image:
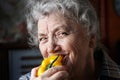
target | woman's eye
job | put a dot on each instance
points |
(43, 39)
(63, 34)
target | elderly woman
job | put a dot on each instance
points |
(69, 28)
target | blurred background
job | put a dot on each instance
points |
(17, 58)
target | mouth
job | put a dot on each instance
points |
(66, 63)
(65, 59)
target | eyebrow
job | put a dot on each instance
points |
(41, 34)
(65, 27)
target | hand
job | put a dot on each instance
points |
(54, 73)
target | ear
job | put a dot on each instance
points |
(92, 41)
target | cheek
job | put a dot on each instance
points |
(77, 49)
(43, 50)
(69, 45)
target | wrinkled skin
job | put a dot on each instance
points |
(66, 37)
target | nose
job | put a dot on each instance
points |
(53, 47)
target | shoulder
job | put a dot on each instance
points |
(25, 77)
(110, 70)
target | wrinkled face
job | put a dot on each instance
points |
(62, 36)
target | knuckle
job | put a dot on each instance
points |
(53, 70)
(63, 74)
(56, 69)
(33, 70)
(60, 74)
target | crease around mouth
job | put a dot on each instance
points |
(65, 59)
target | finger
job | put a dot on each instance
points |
(61, 75)
(52, 71)
(33, 72)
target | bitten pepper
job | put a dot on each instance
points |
(54, 60)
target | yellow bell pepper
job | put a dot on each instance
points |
(54, 60)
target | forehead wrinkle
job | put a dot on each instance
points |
(47, 30)
(43, 29)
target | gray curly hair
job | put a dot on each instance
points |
(79, 10)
